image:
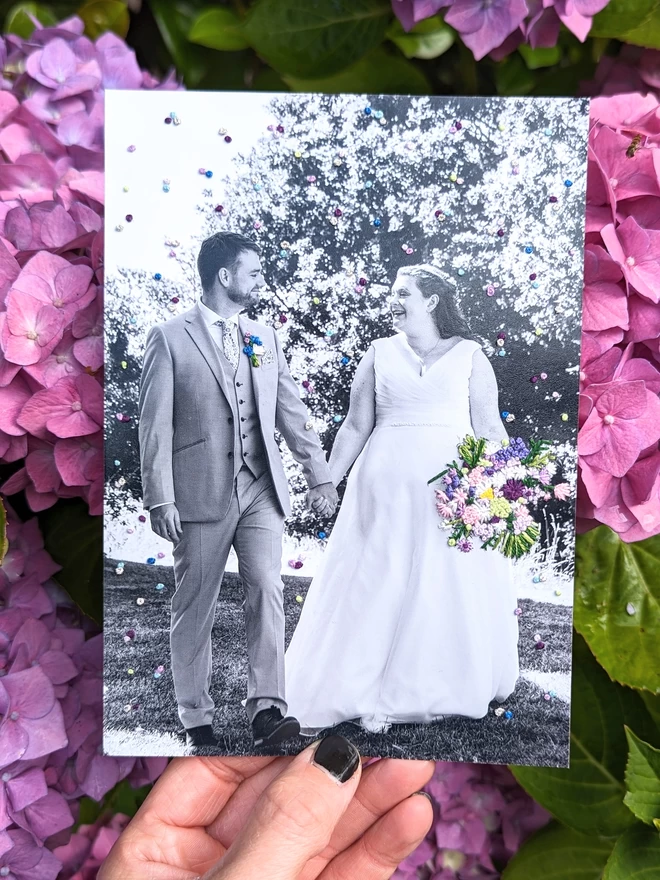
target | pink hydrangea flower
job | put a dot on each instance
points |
(58, 67)
(485, 24)
(499, 26)
(72, 407)
(637, 251)
(605, 302)
(411, 12)
(31, 330)
(50, 711)
(624, 421)
(24, 859)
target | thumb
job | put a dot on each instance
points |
(293, 820)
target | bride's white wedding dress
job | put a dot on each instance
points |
(397, 626)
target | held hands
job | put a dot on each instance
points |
(318, 816)
(165, 522)
(323, 499)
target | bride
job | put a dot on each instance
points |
(397, 626)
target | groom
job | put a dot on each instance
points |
(212, 477)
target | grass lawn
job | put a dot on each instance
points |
(140, 710)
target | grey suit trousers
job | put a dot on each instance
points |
(254, 525)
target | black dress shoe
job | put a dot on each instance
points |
(200, 736)
(270, 728)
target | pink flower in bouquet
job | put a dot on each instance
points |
(471, 515)
(562, 491)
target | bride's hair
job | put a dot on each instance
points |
(447, 314)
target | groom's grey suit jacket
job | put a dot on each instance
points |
(187, 426)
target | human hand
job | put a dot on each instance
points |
(281, 818)
(323, 499)
(166, 523)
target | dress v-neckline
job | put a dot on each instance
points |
(426, 370)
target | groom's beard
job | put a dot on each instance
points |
(244, 300)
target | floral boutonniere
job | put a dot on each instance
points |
(253, 348)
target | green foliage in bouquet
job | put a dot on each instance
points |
(511, 542)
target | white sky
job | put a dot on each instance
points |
(169, 151)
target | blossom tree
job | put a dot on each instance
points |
(340, 193)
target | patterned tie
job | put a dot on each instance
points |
(229, 342)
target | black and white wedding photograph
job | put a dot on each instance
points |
(341, 406)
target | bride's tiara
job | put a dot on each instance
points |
(427, 269)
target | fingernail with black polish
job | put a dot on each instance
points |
(338, 756)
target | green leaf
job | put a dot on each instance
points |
(428, 39)
(636, 856)
(377, 74)
(174, 20)
(125, 799)
(218, 28)
(4, 543)
(314, 40)
(512, 77)
(617, 605)
(631, 21)
(643, 780)
(558, 853)
(18, 21)
(105, 15)
(652, 703)
(536, 58)
(75, 541)
(589, 796)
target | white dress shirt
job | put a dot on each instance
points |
(210, 317)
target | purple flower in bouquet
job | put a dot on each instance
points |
(513, 489)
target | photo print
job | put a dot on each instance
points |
(342, 357)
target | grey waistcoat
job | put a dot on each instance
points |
(248, 441)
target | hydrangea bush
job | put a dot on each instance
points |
(503, 24)
(51, 276)
(51, 713)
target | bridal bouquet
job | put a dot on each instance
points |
(489, 495)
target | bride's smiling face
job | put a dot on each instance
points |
(411, 311)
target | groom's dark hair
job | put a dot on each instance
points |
(221, 251)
